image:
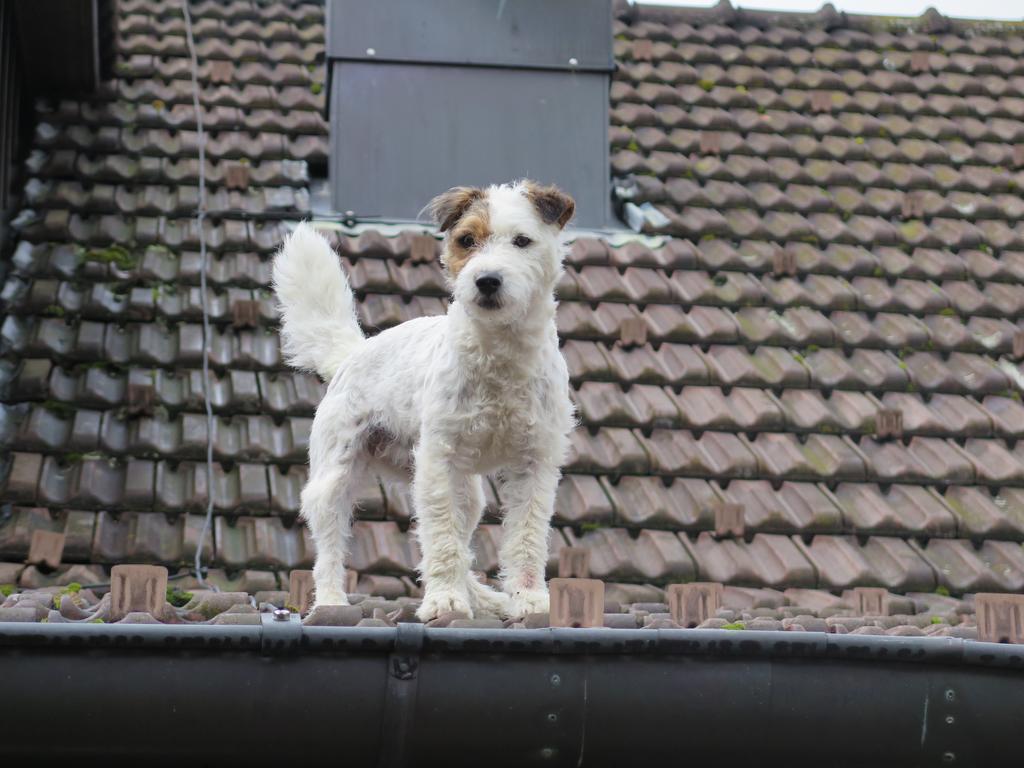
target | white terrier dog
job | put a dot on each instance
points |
(480, 390)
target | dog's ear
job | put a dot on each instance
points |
(553, 205)
(448, 207)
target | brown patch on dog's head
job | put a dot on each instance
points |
(448, 207)
(553, 205)
(462, 213)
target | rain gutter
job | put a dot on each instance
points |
(416, 696)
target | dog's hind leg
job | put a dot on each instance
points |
(327, 508)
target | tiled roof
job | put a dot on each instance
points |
(821, 337)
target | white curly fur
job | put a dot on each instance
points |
(451, 398)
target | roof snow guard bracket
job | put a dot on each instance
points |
(427, 96)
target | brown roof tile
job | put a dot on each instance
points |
(767, 560)
(653, 556)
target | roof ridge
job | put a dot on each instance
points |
(724, 12)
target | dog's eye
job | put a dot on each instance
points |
(467, 241)
(522, 241)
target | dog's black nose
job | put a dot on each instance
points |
(488, 283)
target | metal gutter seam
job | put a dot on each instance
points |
(407, 641)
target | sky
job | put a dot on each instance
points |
(973, 9)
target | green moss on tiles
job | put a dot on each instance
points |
(735, 625)
(947, 312)
(292, 608)
(798, 357)
(878, 272)
(178, 597)
(74, 457)
(706, 84)
(54, 310)
(936, 619)
(71, 589)
(760, 109)
(115, 254)
(591, 526)
(858, 139)
(941, 590)
(7, 590)
(812, 348)
(912, 230)
(316, 88)
(97, 621)
(57, 408)
(985, 248)
(741, 89)
(633, 146)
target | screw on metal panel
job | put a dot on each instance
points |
(950, 719)
(547, 753)
(282, 614)
(948, 757)
(371, 51)
(574, 62)
(950, 694)
(552, 717)
(556, 680)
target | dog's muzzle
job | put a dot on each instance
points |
(488, 283)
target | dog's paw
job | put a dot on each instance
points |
(438, 601)
(527, 601)
(329, 597)
(488, 601)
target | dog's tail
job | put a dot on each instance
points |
(319, 328)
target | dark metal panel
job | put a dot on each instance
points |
(516, 33)
(60, 43)
(401, 134)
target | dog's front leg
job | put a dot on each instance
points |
(529, 499)
(441, 496)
